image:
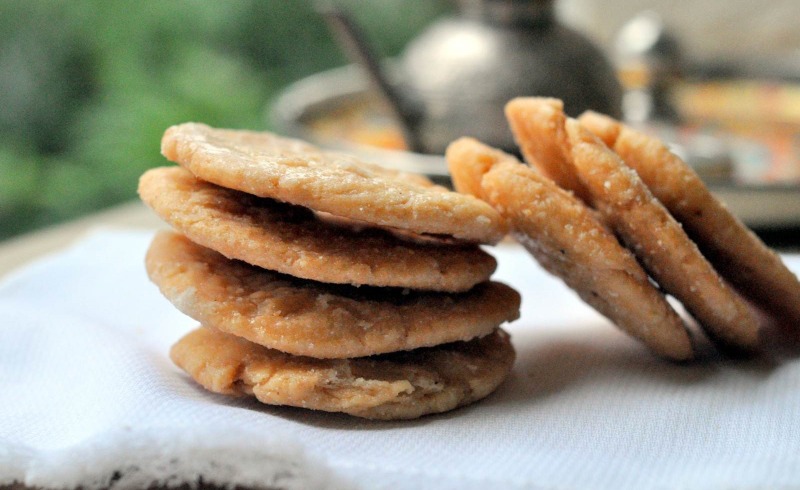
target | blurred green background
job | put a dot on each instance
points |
(87, 87)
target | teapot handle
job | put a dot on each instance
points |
(352, 40)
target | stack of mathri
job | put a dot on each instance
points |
(324, 282)
(624, 221)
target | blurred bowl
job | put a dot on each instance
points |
(337, 110)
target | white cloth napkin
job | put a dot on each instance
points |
(88, 397)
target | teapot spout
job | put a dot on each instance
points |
(352, 40)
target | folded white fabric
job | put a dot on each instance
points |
(88, 397)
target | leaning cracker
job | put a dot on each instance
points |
(314, 319)
(538, 127)
(293, 171)
(659, 241)
(737, 253)
(403, 385)
(293, 240)
(570, 241)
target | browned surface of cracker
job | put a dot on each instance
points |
(293, 240)
(569, 241)
(319, 320)
(538, 127)
(292, 171)
(402, 385)
(737, 253)
(659, 242)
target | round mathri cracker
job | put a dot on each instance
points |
(659, 241)
(538, 125)
(569, 240)
(294, 240)
(736, 252)
(293, 171)
(314, 319)
(401, 385)
(628, 207)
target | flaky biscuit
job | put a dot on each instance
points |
(293, 171)
(654, 236)
(314, 319)
(571, 242)
(736, 252)
(538, 127)
(402, 385)
(293, 240)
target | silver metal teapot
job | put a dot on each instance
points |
(455, 78)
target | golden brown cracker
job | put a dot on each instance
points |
(295, 241)
(571, 242)
(403, 385)
(314, 319)
(293, 171)
(736, 252)
(659, 242)
(538, 127)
